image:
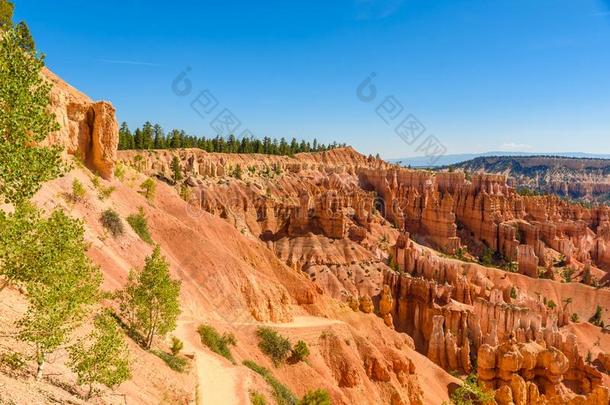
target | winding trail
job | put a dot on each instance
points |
(220, 382)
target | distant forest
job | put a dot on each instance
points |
(152, 137)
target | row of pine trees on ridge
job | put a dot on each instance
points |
(151, 136)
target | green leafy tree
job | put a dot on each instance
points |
(61, 282)
(25, 121)
(148, 188)
(103, 357)
(6, 14)
(150, 300)
(596, 319)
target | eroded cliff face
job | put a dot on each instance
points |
(88, 129)
(366, 232)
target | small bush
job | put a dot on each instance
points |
(513, 293)
(217, 343)
(177, 345)
(596, 319)
(78, 190)
(471, 393)
(574, 318)
(140, 225)
(13, 360)
(317, 397)
(112, 221)
(274, 345)
(148, 188)
(281, 393)
(119, 171)
(300, 352)
(103, 192)
(256, 398)
(174, 362)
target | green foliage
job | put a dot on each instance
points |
(78, 190)
(112, 221)
(238, 173)
(6, 14)
(300, 352)
(13, 360)
(281, 393)
(273, 344)
(256, 398)
(103, 358)
(567, 274)
(177, 345)
(574, 318)
(173, 361)
(140, 226)
(487, 257)
(119, 171)
(317, 397)
(148, 188)
(513, 293)
(142, 138)
(596, 319)
(471, 393)
(586, 275)
(216, 342)
(49, 258)
(551, 304)
(176, 169)
(149, 303)
(25, 120)
(185, 192)
(103, 192)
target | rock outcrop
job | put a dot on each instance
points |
(88, 129)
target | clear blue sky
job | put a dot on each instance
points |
(531, 75)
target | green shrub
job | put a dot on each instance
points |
(103, 192)
(119, 171)
(174, 362)
(256, 398)
(596, 319)
(471, 393)
(273, 344)
(78, 190)
(300, 352)
(281, 393)
(177, 345)
(13, 360)
(140, 225)
(112, 221)
(574, 318)
(148, 188)
(217, 343)
(317, 397)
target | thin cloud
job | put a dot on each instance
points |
(128, 62)
(513, 146)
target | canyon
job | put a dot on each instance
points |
(402, 282)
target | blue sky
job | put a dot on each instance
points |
(480, 75)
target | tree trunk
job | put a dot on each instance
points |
(39, 369)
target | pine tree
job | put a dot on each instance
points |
(101, 358)
(138, 139)
(147, 136)
(176, 169)
(150, 301)
(159, 142)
